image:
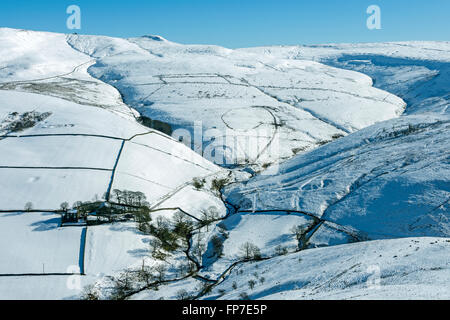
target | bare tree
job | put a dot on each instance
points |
(209, 216)
(122, 285)
(64, 206)
(90, 293)
(250, 251)
(280, 251)
(28, 206)
(161, 272)
(299, 232)
(145, 274)
(156, 249)
(217, 244)
(198, 249)
(182, 295)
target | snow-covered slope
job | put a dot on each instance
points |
(88, 144)
(67, 135)
(416, 71)
(389, 180)
(44, 63)
(80, 152)
(268, 108)
(413, 268)
(36, 244)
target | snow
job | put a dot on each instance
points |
(46, 189)
(416, 71)
(351, 182)
(42, 288)
(363, 130)
(419, 267)
(135, 170)
(183, 197)
(24, 58)
(67, 117)
(330, 234)
(36, 244)
(71, 155)
(414, 50)
(269, 231)
(56, 71)
(171, 290)
(113, 248)
(57, 151)
(309, 102)
(265, 230)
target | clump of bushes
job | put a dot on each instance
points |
(168, 240)
(90, 292)
(198, 183)
(337, 136)
(218, 184)
(281, 251)
(170, 235)
(244, 296)
(16, 122)
(182, 295)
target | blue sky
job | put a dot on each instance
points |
(238, 23)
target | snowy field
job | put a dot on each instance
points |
(145, 167)
(57, 71)
(67, 117)
(47, 189)
(36, 244)
(266, 230)
(113, 248)
(57, 151)
(41, 288)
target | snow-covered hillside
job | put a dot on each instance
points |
(89, 143)
(260, 108)
(389, 180)
(68, 137)
(388, 269)
(80, 152)
(81, 116)
(416, 71)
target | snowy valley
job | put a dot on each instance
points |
(293, 172)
